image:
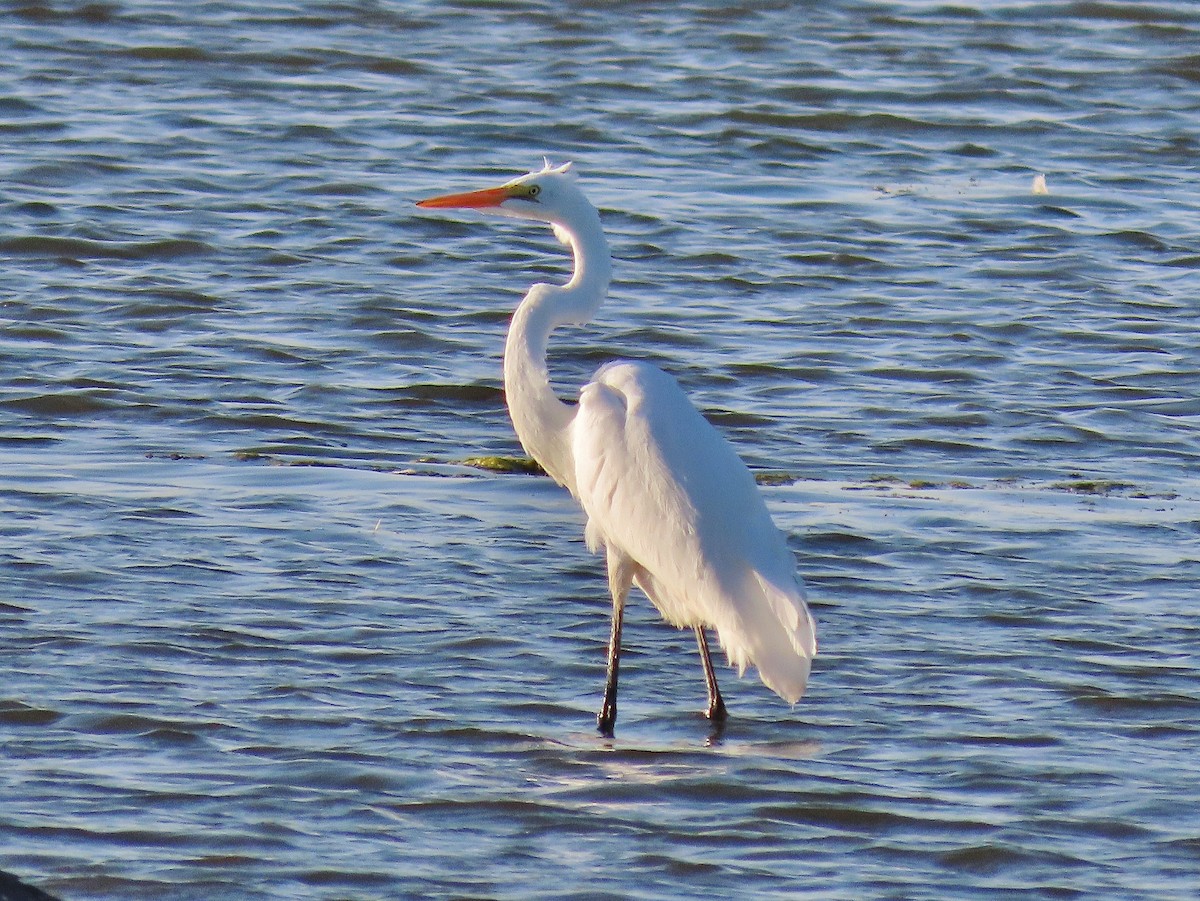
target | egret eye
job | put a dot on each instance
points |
(533, 191)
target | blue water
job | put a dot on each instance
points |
(264, 632)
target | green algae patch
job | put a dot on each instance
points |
(1102, 487)
(521, 465)
(774, 477)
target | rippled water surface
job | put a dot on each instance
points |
(263, 634)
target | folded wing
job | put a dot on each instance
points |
(663, 488)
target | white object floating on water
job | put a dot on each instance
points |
(1039, 185)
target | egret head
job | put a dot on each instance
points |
(547, 195)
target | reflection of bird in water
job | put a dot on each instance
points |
(676, 511)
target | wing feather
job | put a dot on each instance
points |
(661, 486)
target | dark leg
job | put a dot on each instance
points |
(716, 706)
(608, 713)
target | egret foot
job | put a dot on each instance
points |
(606, 719)
(716, 710)
(716, 707)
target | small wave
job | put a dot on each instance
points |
(36, 333)
(837, 260)
(137, 724)
(178, 54)
(1138, 239)
(17, 713)
(838, 541)
(387, 66)
(65, 173)
(736, 419)
(88, 13)
(166, 302)
(17, 106)
(434, 395)
(848, 812)
(79, 249)
(37, 208)
(835, 122)
(1101, 701)
(170, 736)
(1133, 13)
(67, 404)
(939, 445)
(1186, 68)
(1005, 740)
(934, 376)
(345, 879)
(997, 857)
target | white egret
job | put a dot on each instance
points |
(676, 511)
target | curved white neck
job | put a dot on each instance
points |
(541, 420)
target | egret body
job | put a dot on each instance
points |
(675, 510)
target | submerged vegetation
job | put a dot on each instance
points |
(521, 465)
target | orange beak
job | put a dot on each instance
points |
(472, 200)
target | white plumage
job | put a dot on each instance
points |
(663, 489)
(676, 511)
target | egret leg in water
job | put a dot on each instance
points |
(716, 706)
(607, 717)
(676, 510)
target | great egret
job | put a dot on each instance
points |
(676, 511)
